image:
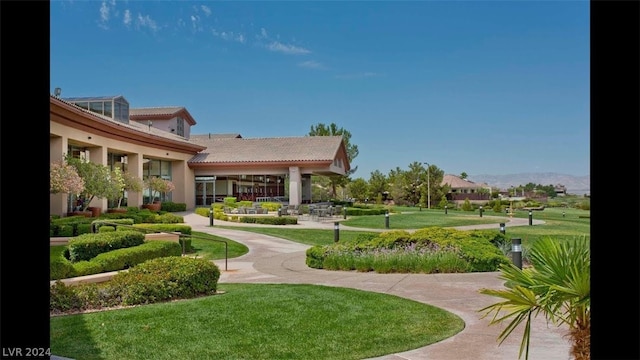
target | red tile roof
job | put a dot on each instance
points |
(282, 149)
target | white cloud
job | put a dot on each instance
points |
(263, 34)
(228, 36)
(126, 19)
(195, 23)
(206, 10)
(104, 15)
(146, 21)
(311, 64)
(287, 49)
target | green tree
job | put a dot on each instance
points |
(352, 150)
(466, 206)
(463, 175)
(359, 189)
(557, 286)
(131, 184)
(378, 184)
(117, 185)
(64, 178)
(443, 202)
(97, 180)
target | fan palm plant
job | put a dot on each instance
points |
(556, 285)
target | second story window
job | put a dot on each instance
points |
(180, 126)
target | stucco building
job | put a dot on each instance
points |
(158, 141)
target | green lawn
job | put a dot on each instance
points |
(257, 321)
(415, 219)
(304, 236)
(574, 223)
(269, 321)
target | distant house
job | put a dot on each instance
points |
(461, 189)
(561, 190)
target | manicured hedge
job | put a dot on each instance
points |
(156, 280)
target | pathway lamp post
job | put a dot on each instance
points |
(516, 252)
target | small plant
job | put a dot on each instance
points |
(63, 178)
(158, 185)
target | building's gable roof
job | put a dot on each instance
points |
(161, 112)
(222, 150)
(455, 182)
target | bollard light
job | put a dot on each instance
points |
(279, 212)
(210, 217)
(336, 231)
(386, 219)
(345, 212)
(480, 211)
(502, 228)
(563, 214)
(445, 209)
(420, 206)
(530, 218)
(516, 252)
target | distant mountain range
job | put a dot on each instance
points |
(578, 185)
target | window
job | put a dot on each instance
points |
(180, 125)
(96, 107)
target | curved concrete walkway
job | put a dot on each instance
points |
(274, 260)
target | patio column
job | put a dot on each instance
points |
(295, 186)
(98, 155)
(134, 167)
(57, 151)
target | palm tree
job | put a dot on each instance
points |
(557, 285)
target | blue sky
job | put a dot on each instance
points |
(482, 87)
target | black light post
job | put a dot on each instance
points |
(420, 206)
(445, 209)
(480, 211)
(344, 210)
(336, 231)
(516, 252)
(563, 214)
(210, 217)
(386, 219)
(279, 211)
(530, 218)
(502, 228)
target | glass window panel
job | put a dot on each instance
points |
(96, 106)
(108, 111)
(83, 104)
(154, 168)
(165, 169)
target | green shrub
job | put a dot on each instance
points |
(430, 249)
(106, 229)
(87, 246)
(170, 206)
(61, 269)
(168, 228)
(166, 278)
(282, 220)
(466, 206)
(230, 201)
